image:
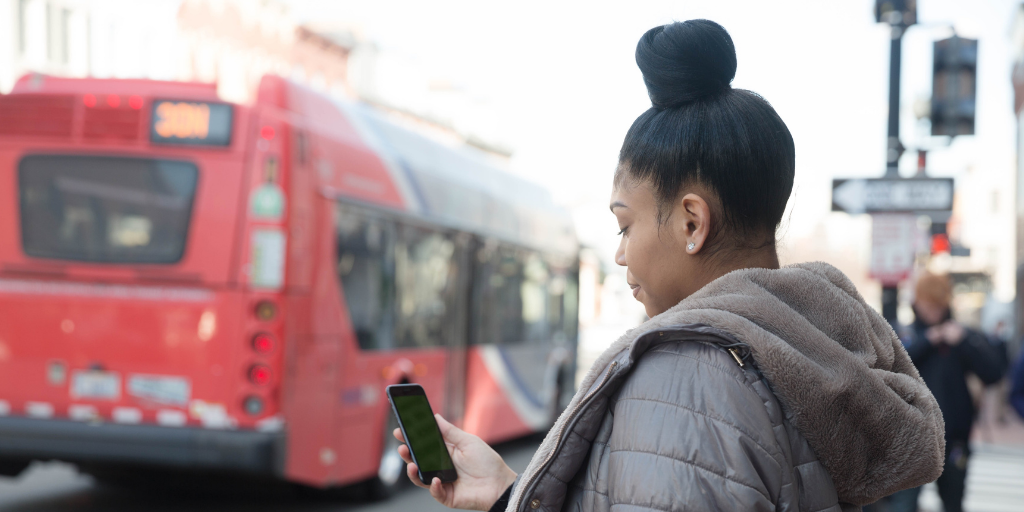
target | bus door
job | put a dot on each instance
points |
(458, 337)
(522, 348)
(400, 280)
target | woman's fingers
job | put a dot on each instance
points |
(403, 452)
(438, 491)
(398, 435)
(411, 470)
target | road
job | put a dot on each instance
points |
(56, 487)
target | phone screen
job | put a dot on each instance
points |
(422, 433)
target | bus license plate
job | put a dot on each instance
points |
(96, 384)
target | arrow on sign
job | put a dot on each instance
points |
(892, 195)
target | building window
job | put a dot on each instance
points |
(57, 20)
(22, 26)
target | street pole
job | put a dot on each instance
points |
(890, 292)
(895, 149)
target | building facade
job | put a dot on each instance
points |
(230, 42)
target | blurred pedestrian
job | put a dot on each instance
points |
(994, 398)
(945, 352)
(1017, 385)
(752, 387)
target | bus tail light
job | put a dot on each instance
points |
(265, 310)
(263, 343)
(259, 374)
(253, 405)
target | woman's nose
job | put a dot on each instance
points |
(620, 256)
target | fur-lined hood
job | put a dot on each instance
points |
(839, 371)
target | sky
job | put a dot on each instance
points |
(561, 86)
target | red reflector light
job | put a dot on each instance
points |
(135, 102)
(267, 132)
(259, 375)
(114, 101)
(263, 343)
(89, 100)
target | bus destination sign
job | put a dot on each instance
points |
(191, 123)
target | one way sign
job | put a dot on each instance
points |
(891, 195)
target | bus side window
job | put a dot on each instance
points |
(539, 309)
(522, 297)
(426, 276)
(366, 268)
(506, 283)
(570, 301)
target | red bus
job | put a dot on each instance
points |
(187, 283)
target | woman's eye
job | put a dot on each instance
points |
(623, 232)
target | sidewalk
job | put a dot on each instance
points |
(1007, 431)
(995, 475)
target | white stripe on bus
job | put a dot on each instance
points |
(82, 412)
(39, 409)
(171, 418)
(111, 291)
(129, 415)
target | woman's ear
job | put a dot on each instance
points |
(694, 226)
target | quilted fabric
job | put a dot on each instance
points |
(826, 413)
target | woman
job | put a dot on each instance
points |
(752, 387)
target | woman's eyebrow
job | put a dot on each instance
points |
(615, 205)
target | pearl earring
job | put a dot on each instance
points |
(690, 246)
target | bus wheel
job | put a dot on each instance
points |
(391, 471)
(13, 467)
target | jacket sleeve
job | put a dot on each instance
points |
(980, 358)
(690, 434)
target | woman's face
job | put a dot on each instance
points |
(660, 268)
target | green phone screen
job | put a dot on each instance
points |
(424, 438)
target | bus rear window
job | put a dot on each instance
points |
(105, 209)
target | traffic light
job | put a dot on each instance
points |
(939, 238)
(896, 12)
(953, 86)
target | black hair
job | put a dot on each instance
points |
(700, 131)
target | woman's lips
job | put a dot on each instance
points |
(635, 288)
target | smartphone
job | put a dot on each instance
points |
(422, 435)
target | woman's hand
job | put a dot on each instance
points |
(483, 475)
(953, 333)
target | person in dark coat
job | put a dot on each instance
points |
(944, 352)
(1017, 385)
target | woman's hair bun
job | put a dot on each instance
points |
(686, 61)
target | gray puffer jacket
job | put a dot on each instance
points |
(765, 390)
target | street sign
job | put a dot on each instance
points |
(893, 241)
(892, 195)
